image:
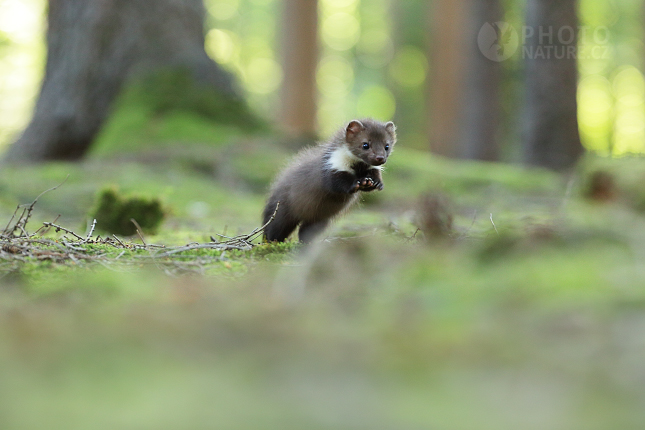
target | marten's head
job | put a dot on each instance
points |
(370, 140)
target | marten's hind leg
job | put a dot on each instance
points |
(308, 231)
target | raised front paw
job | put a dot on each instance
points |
(366, 184)
(369, 184)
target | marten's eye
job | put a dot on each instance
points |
(366, 145)
(387, 147)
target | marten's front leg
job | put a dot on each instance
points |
(343, 183)
(372, 181)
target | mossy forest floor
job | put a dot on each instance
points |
(528, 314)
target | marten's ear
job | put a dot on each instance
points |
(353, 128)
(391, 128)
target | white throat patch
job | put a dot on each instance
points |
(342, 159)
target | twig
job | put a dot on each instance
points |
(261, 229)
(91, 230)
(46, 191)
(6, 229)
(414, 235)
(494, 226)
(22, 221)
(119, 240)
(59, 228)
(45, 228)
(19, 246)
(219, 246)
(31, 206)
(139, 232)
(220, 235)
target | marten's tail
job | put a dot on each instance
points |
(282, 224)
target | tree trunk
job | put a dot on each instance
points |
(448, 58)
(482, 101)
(93, 48)
(551, 136)
(299, 63)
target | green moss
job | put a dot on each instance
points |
(169, 107)
(114, 213)
(532, 301)
(413, 173)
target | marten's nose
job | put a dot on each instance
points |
(380, 159)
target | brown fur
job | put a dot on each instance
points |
(322, 181)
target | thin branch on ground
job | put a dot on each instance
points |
(17, 245)
(89, 235)
(59, 228)
(22, 221)
(139, 232)
(493, 222)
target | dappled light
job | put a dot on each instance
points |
(355, 38)
(21, 63)
(596, 113)
(376, 101)
(409, 67)
(223, 46)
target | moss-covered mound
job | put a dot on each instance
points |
(115, 213)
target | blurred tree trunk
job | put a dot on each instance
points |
(551, 136)
(448, 58)
(482, 101)
(299, 63)
(93, 47)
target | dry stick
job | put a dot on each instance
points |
(220, 235)
(75, 248)
(6, 229)
(22, 228)
(19, 221)
(59, 228)
(31, 206)
(46, 191)
(118, 240)
(69, 250)
(26, 213)
(89, 235)
(261, 229)
(238, 242)
(44, 228)
(202, 246)
(494, 226)
(255, 232)
(138, 227)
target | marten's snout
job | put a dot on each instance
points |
(378, 160)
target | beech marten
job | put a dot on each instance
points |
(323, 180)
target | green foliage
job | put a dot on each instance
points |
(114, 213)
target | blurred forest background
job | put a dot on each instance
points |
(411, 61)
(496, 282)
